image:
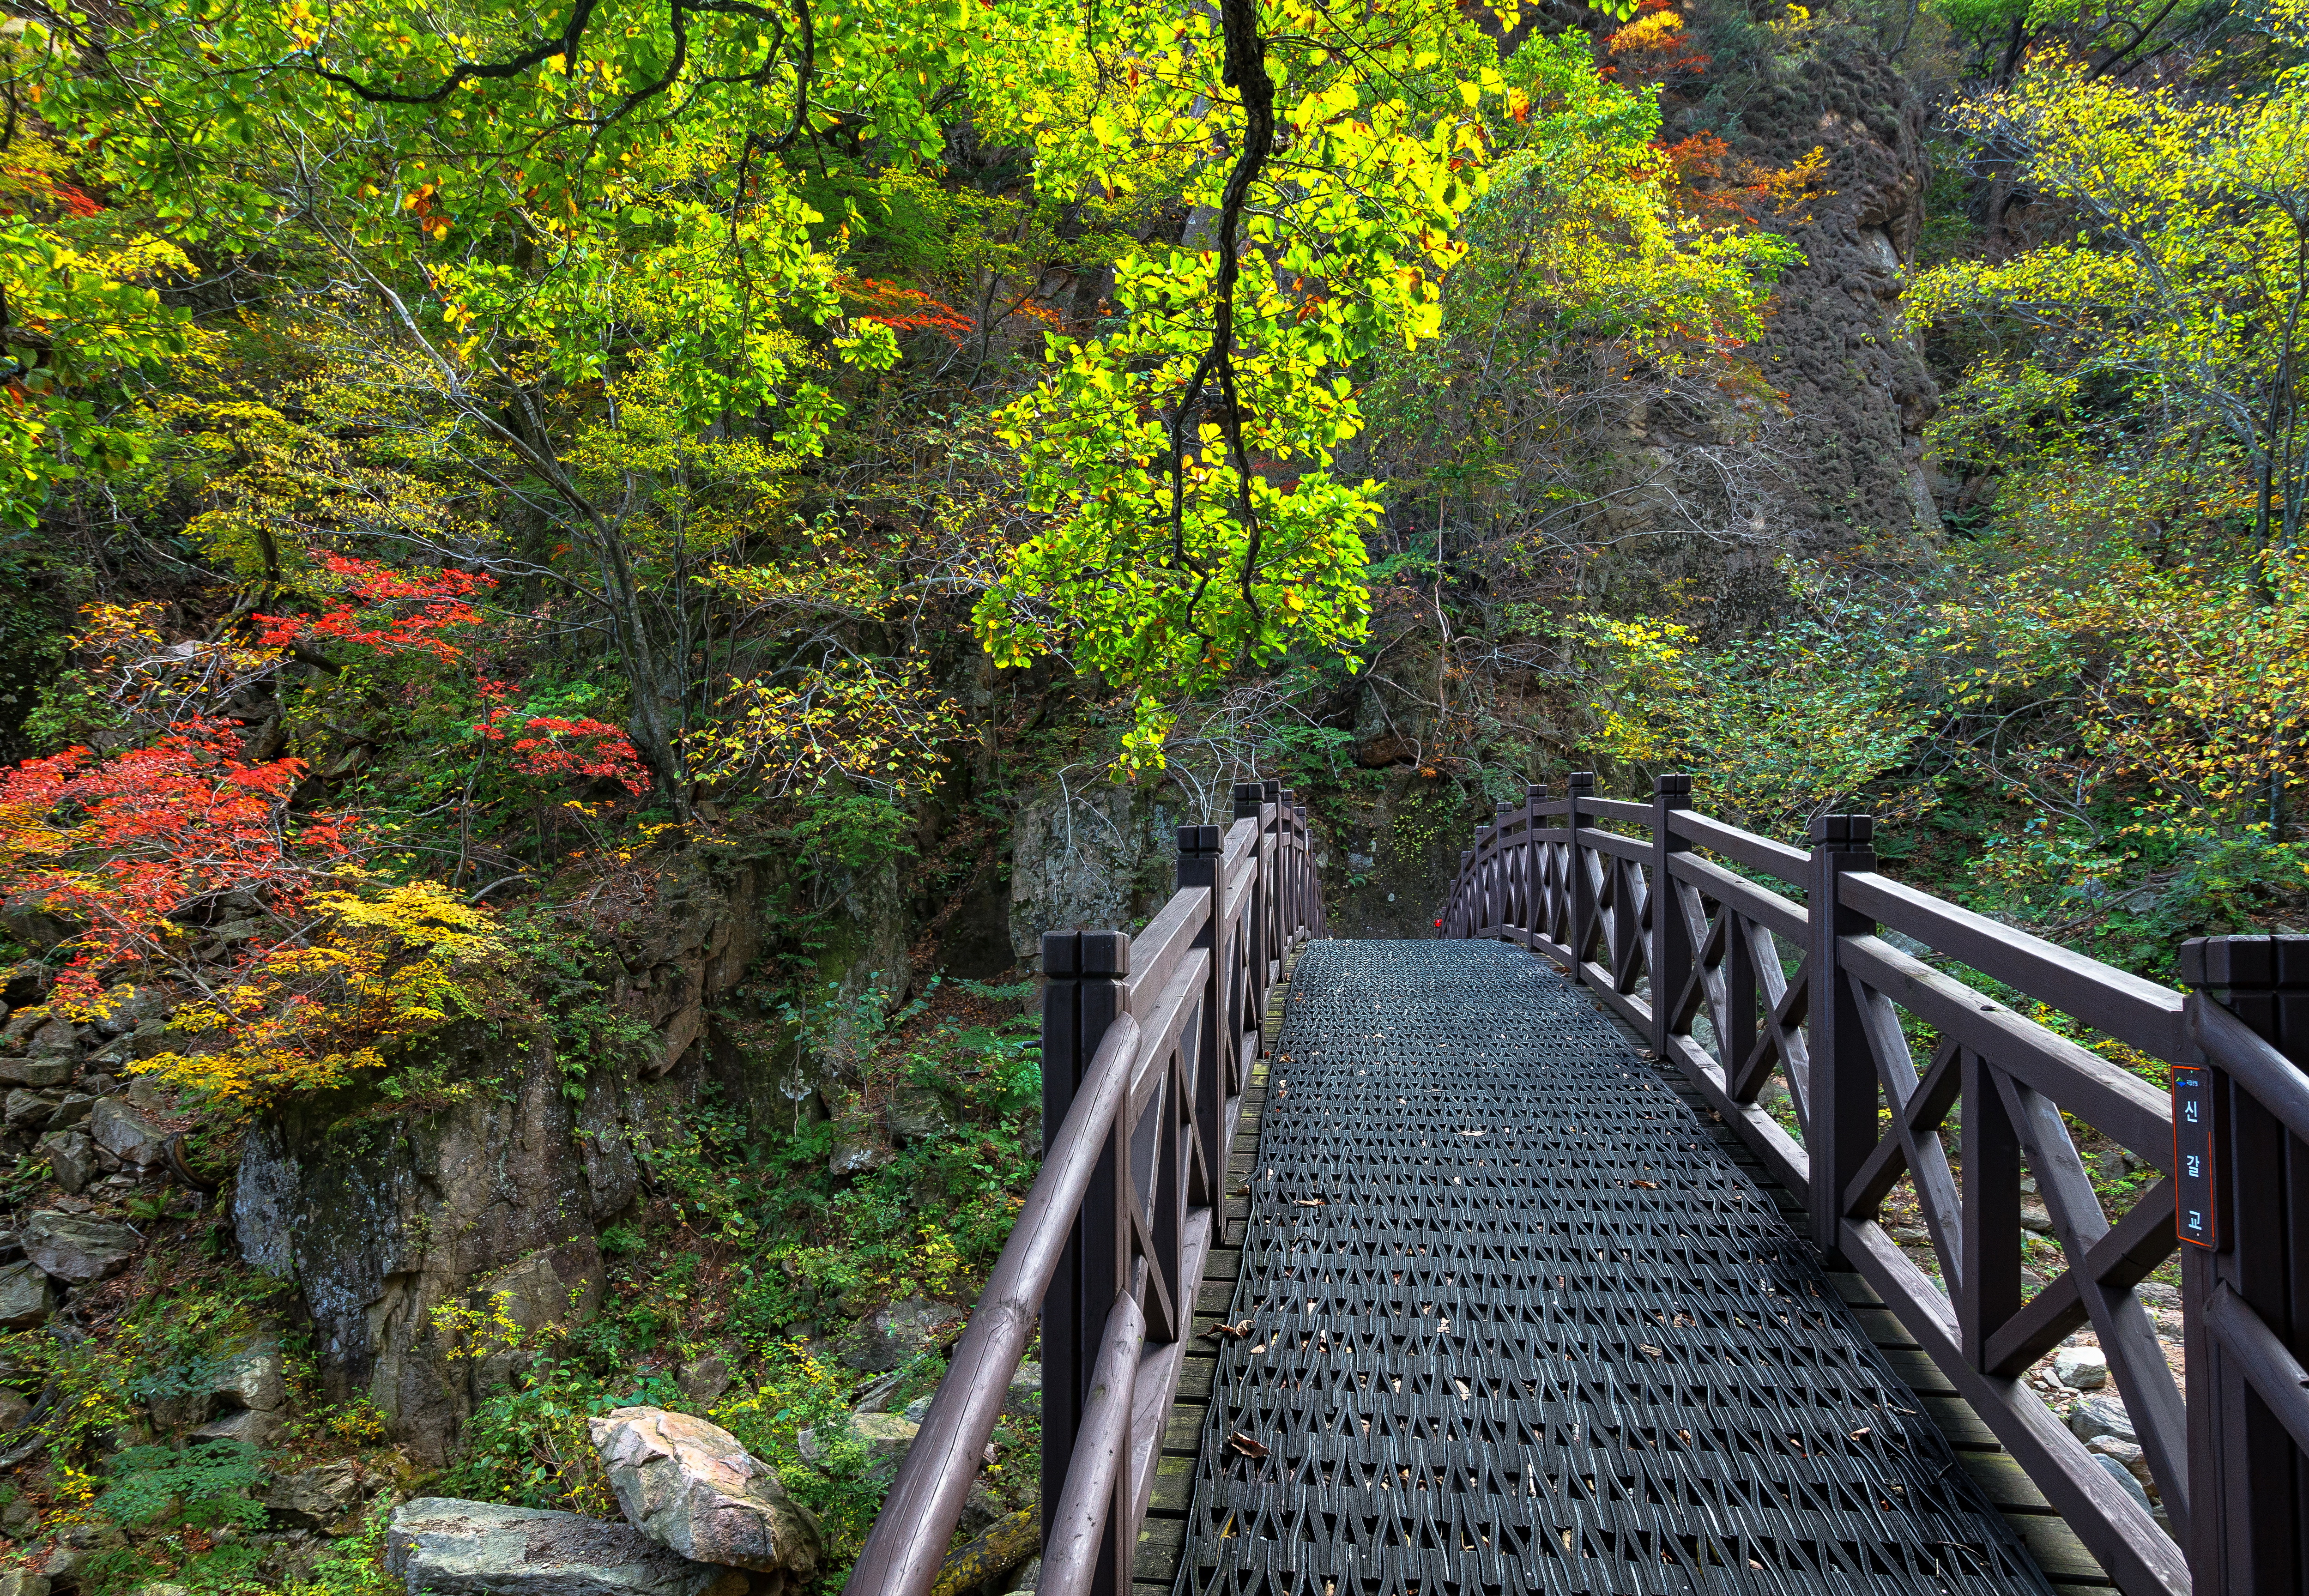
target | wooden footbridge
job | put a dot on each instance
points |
(1548, 1255)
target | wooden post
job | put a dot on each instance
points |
(1308, 887)
(1270, 967)
(1841, 1127)
(1536, 918)
(1577, 785)
(1083, 974)
(1671, 949)
(1213, 1071)
(2248, 1489)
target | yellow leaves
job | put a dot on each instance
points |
(380, 968)
(1645, 33)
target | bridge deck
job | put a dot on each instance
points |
(1514, 1321)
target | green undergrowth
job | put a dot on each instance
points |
(755, 1251)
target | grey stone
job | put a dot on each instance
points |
(58, 1038)
(151, 1040)
(917, 1119)
(254, 1377)
(1023, 1400)
(72, 1159)
(444, 1547)
(13, 1409)
(689, 1485)
(75, 1249)
(35, 1072)
(2036, 1217)
(26, 1296)
(895, 1333)
(126, 1135)
(318, 1498)
(2124, 1477)
(28, 1110)
(857, 1157)
(72, 1110)
(705, 1377)
(23, 1582)
(264, 1198)
(2085, 1368)
(883, 1437)
(29, 921)
(21, 1519)
(2102, 1415)
(255, 1426)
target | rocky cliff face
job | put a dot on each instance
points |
(1857, 389)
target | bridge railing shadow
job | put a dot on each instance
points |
(1147, 1045)
(1791, 989)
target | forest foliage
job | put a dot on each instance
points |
(462, 470)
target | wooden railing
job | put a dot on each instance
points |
(1146, 1046)
(1756, 968)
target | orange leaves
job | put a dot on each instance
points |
(125, 845)
(1721, 186)
(908, 310)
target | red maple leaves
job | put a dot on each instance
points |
(391, 611)
(126, 845)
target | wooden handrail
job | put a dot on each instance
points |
(1108, 1250)
(1667, 937)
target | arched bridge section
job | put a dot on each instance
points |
(1510, 1321)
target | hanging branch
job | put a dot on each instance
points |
(1244, 70)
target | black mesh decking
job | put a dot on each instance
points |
(1515, 1323)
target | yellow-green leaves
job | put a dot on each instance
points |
(2187, 280)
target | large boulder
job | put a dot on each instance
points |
(77, 1250)
(444, 1548)
(690, 1486)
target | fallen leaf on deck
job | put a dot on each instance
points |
(1248, 1445)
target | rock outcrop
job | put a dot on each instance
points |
(689, 1485)
(444, 1548)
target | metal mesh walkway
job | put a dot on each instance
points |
(1513, 1323)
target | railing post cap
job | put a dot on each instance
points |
(1247, 789)
(1465, 854)
(1198, 838)
(1677, 785)
(1502, 807)
(1061, 953)
(1270, 790)
(1580, 780)
(1106, 954)
(2254, 964)
(1840, 830)
(1536, 793)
